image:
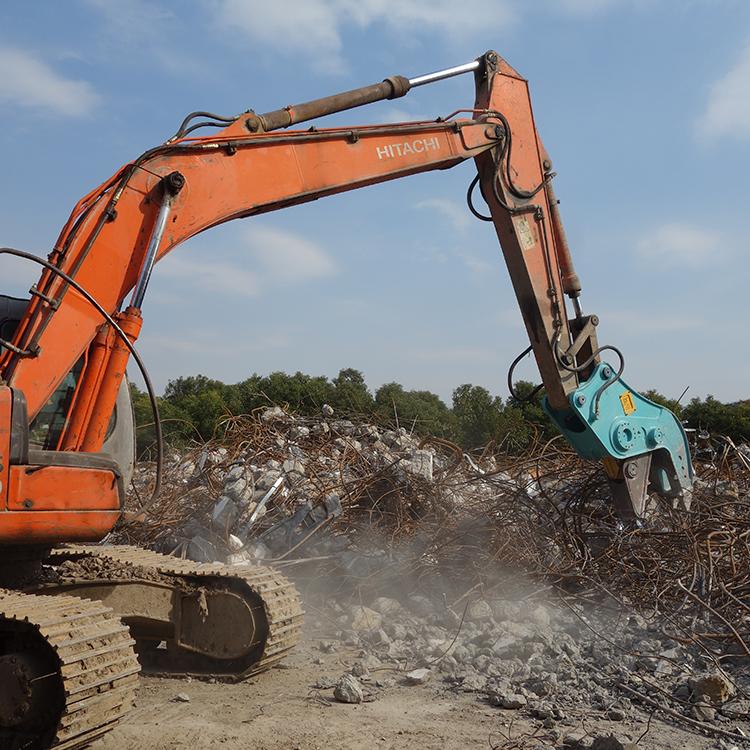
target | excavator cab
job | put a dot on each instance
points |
(46, 428)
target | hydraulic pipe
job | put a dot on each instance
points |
(571, 283)
(391, 88)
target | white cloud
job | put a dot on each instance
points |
(259, 257)
(313, 29)
(214, 276)
(316, 29)
(286, 256)
(679, 246)
(456, 213)
(31, 83)
(727, 111)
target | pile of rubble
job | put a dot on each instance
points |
(268, 489)
(551, 665)
(482, 571)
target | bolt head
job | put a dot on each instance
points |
(606, 373)
(631, 470)
(580, 399)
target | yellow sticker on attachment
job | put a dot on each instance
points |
(628, 405)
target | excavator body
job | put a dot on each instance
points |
(72, 617)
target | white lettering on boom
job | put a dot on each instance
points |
(418, 146)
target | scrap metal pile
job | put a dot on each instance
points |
(367, 508)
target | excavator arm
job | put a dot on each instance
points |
(252, 165)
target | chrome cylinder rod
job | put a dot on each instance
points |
(148, 262)
(171, 185)
(439, 75)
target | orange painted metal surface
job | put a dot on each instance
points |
(40, 527)
(6, 403)
(526, 230)
(86, 392)
(61, 488)
(130, 323)
(50, 504)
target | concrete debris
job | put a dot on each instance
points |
(418, 676)
(364, 618)
(348, 690)
(418, 550)
(714, 688)
(506, 698)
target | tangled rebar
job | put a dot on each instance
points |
(473, 522)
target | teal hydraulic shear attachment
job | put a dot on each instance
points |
(642, 445)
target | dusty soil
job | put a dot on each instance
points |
(282, 710)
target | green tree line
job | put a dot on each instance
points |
(194, 408)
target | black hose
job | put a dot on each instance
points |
(588, 362)
(184, 130)
(511, 369)
(116, 328)
(470, 201)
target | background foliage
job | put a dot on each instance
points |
(193, 408)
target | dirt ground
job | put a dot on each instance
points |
(282, 710)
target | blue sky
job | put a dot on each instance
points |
(644, 106)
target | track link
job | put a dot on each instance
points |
(279, 598)
(86, 668)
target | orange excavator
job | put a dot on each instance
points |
(74, 615)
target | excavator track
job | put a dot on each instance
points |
(67, 668)
(228, 622)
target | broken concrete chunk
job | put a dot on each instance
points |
(275, 412)
(418, 676)
(714, 687)
(703, 710)
(293, 466)
(348, 690)
(420, 464)
(507, 699)
(238, 490)
(364, 618)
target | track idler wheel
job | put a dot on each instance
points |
(31, 690)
